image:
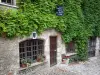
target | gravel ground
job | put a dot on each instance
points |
(55, 71)
(91, 67)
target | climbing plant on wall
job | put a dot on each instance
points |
(38, 15)
(91, 10)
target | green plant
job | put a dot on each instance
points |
(82, 51)
(40, 58)
(26, 62)
(73, 58)
(23, 61)
(80, 20)
(29, 60)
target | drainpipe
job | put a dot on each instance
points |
(97, 47)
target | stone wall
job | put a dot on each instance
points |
(9, 55)
(97, 53)
(60, 44)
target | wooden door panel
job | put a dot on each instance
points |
(53, 50)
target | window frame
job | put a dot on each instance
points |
(36, 48)
(13, 2)
(70, 47)
(91, 46)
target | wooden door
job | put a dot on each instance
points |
(53, 50)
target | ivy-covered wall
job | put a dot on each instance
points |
(40, 15)
(80, 20)
(91, 10)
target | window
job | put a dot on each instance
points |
(30, 49)
(91, 46)
(8, 1)
(71, 47)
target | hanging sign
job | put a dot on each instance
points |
(59, 11)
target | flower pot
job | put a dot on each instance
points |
(64, 61)
(23, 65)
(10, 73)
(38, 59)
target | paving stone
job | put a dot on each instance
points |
(91, 67)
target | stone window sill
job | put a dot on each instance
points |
(7, 5)
(70, 54)
(66, 58)
(32, 65)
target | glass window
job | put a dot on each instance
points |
(71, 47)
(91, 46)
(30, 50)
(7, 1)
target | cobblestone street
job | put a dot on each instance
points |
(55, 71)
(90, 67)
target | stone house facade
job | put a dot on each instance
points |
(11, 51)
(49, 44)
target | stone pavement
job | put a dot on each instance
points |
(90, 67)
(55, 71)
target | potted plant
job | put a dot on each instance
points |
(40, 58)
(29, 62)
(43, 58)
(23, 63)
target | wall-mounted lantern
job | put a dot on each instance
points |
(34, 35)
(59, 10)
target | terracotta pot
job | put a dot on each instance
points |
(23, 65)
(38, 59)
(10, 73)
(64, 61)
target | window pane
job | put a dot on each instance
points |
(34, 52)
(23, 55)
(22, 50)
(34, 57)
(3, 1)
(40, 47)
(9, 1)
(40, 51)
(91, 46)
(91, 53)
(34, 42)
(40, 42)
(28, 53)
(34, 48)
(21, 44)
(28, 43)
(28, 48)
(71, 47)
